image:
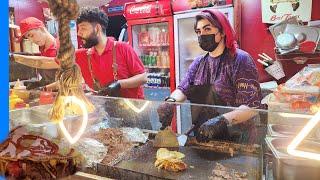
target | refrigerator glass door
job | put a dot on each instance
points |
(151, 42)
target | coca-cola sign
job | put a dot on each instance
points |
(148, 9)
(144, 9)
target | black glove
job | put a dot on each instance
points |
(165, 113)
(112, 89)
(33, 85)
(215, 128)
(37, 85)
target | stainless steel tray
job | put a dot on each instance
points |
(280, 130)
(289, 167)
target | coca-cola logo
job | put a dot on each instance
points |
(140, 9)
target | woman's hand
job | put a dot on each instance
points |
(215, 128)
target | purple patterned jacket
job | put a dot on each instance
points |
(235, 80)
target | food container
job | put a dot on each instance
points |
(289, 167)
(278, 130)
(46, 98)
(282, 113)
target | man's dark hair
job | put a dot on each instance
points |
(93, 15)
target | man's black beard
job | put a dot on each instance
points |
(91, 41)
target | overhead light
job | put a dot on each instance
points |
(291, 115)
(134, 108)
(291, 149)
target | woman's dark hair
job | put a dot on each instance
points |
(213, 20)
(93, 15)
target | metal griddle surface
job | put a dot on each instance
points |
(200, 165)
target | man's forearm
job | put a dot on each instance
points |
(134, 81)
(40, 62)
(52, 86)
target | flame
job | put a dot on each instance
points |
(134, 108)
(291, 149)
(83, 108)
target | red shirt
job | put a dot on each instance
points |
(128, 62)
(52, 51)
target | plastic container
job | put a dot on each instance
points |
(46, 98)
(282, 113)
(21, 105)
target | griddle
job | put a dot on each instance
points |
(200, 163)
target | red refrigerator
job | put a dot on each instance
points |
(150, 32)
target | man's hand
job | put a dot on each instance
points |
(215, 128)
(112, 89)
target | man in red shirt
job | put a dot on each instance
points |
(120, 75)
(34, 30)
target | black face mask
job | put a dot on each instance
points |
(208, 42)
(91, 41)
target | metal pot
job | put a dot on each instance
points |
(287, 167)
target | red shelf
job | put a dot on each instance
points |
(152, 46)
(156, 87)
(157, 67)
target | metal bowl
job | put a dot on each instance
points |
(286, 41)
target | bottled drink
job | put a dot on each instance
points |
(167, 59)
(146, 60)
(144, 36)
(150, 58)
(158, 80)
(153, 79)
(158, 58)
(148, 81)
(164, 37)
(142, 59)
(154, 59)
(162, 59)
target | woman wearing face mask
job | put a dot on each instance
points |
(225, 76)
